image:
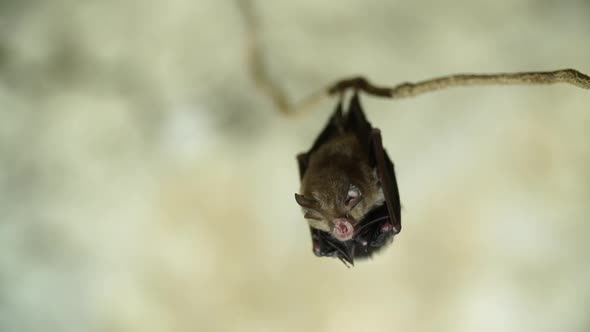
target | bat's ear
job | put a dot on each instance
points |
(305, 202)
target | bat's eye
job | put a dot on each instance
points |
(353, 196)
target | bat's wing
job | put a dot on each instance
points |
(357, 123)
(334, 128)
(386, 173)
(381, 224)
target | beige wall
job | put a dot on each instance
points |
(145, 185)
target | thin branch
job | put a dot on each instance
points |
(256, 60)
(272, 89)
(257, 65)
(406, 90)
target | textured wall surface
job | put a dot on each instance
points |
(146, 185)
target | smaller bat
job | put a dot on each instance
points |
(349, 193)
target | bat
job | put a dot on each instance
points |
(349, 194)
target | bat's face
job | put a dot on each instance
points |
(333, 213)
(339, 189)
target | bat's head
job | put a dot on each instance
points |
(335, 199)
(331, 213)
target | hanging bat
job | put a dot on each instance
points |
(349, 193)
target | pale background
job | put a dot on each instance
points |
(146, 185)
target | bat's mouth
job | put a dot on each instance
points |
(343, 230)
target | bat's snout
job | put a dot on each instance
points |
(343, 229)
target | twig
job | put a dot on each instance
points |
(405, 90)
(256, 60)
(259, 71)
(274, 91)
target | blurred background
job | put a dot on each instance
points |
(147, 185)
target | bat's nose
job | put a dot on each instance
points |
(343, 229)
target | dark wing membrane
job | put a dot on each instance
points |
(353, 121)
(370, 237)
(334, 127)
(359, 125)
(386, 174)
(380, 225)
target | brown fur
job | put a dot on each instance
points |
(332, 169)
